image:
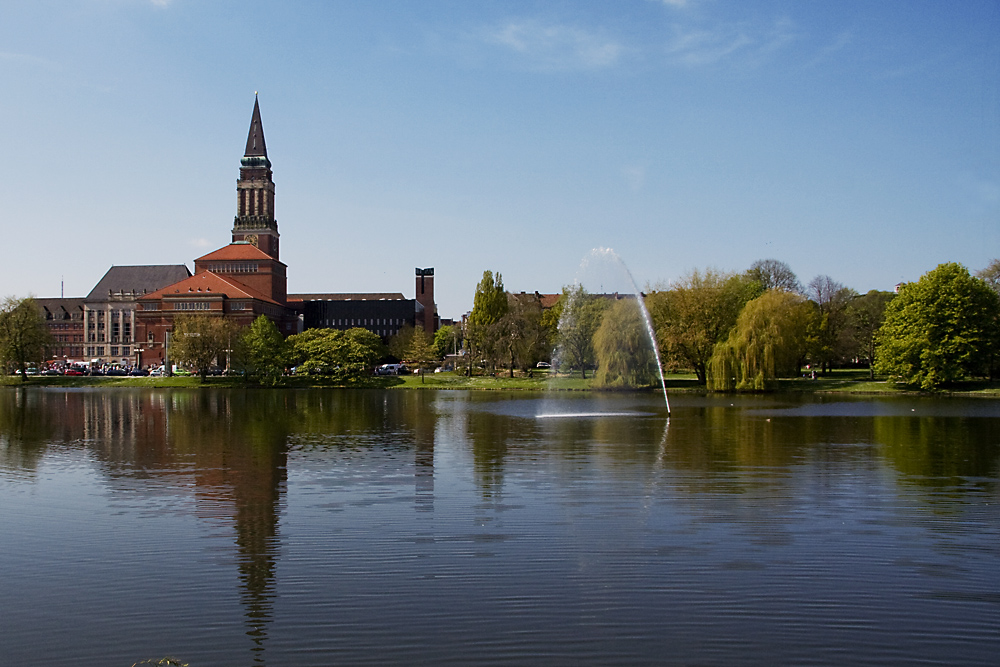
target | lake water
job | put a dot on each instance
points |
(328, 527)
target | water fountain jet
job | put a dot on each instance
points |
(602, 259)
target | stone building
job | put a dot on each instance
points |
(109, 311)
(64, 319)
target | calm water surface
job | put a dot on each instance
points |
(409, 527)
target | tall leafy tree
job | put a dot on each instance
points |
(580, 318)
(774, 274)
(940, 329)
(622, 348)
(263, 351)
(768, 342)
(864, 315)
(519, 336)
(23, 334)
(346, 355)
(447, 340)
(991, 275)
(489, 306)
(696, 313)
(421, 353)
(201, 340)
(830, 343)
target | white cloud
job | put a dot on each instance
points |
(750, 44)
(557, 47)
(25, 59)
(201, 243)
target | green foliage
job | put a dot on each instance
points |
(773, 274)
(23, 334)
(768, 342)
(581, 316)
(201, 340)
(345, 355)
(991, 275)
(400, 343)
(697, 313)
(447, 340)
(263, 351)
(622, 348)
(865, 314)
(489, 306)
(421, 353)
(941, 329)
(829, 342)
(518, 338)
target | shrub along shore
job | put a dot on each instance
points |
(838, 382)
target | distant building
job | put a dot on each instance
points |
(240, 281)
(381, 313)
(64, 319)
(109, 311)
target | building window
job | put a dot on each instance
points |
(150, 306)
(114, 351)
(126, 351)
(100, 350)
(150, 337)
(192, 305)
(237, 305)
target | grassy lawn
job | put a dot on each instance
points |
(838, 381)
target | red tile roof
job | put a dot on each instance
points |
(207, 283)
(235, 251)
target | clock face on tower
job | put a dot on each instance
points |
(252, 240)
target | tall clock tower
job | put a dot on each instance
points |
(255, 221)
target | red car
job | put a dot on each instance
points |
(72, 371)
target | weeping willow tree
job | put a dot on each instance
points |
(622, 348)
(769, 341)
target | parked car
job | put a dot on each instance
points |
(543, 364)
(117, 372)
(73, 371)
(139, 372)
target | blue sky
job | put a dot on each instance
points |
(854, 139)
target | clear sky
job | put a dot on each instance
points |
(855, 139)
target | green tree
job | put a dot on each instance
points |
(865, 314)
(489, 305)
(400, 343)
(774, 274)
(768, 342)
(421, 353)
(447, 340)
(622, 347)
(262, 349)
(697, 313)
(23, 334)
(201, 340)
(519, 336)
(991, 275)
(830, 343)
(345, 355)
(580, 318)
(940, 329)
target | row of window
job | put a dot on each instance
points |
(113, 351)
(234, 267)
(77, 325)
(192, 305)
(362, 322)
